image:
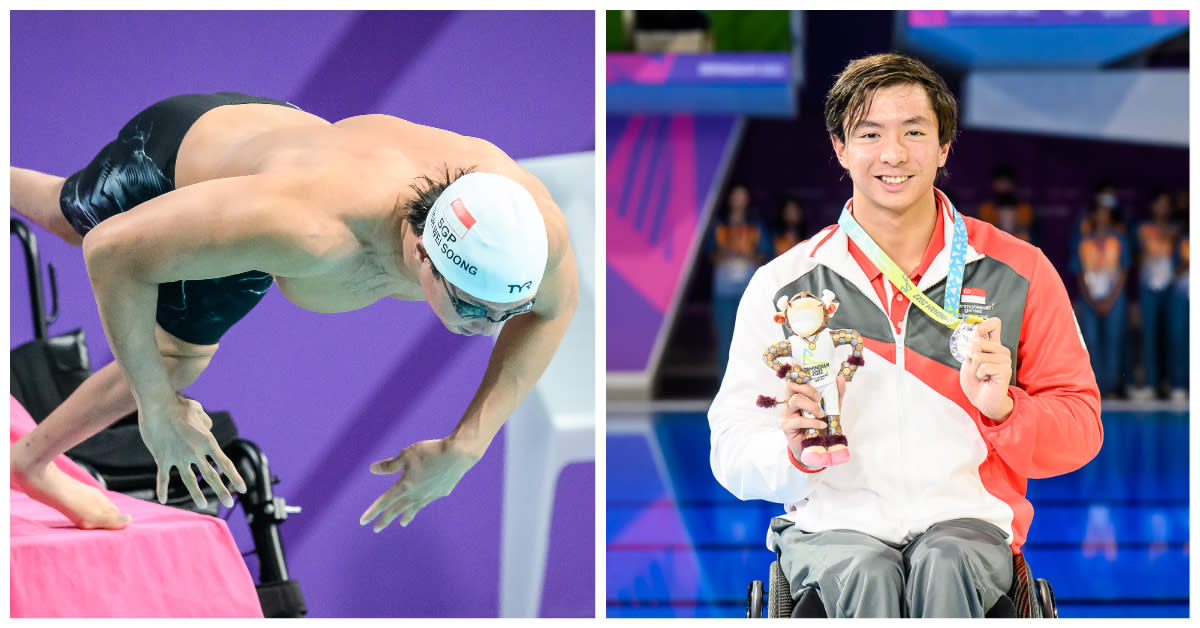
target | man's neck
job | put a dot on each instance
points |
(407, 259)
(903, 235)
(387, 237)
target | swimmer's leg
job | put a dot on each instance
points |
(100, 401)
(35, 195)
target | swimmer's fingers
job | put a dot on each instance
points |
(798, 424)
(229, 469)
(214, 481)
(193, 487)
(989, 328)
(369, 514)
(408, 507)
(390, 514)
(388, 466)
(803, 400)
(378, 506)
(410, 514)
(161, 482)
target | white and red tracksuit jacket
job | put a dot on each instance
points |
(920, 452)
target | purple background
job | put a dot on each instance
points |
(326, 395)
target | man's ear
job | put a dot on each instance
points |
(943, 153)
(839, 149)
(780, 318)
(833, 307)
(422, 254)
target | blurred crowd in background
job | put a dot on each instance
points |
(1102, 193)
(1128, 271)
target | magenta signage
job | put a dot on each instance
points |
(716, 69)
(661, 169)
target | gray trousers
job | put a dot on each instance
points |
(957, 568)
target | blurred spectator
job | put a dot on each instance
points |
(1155, 242)
(1181, 201)
(1100, 260)
(1105, 195)
(737, 246)
(1004, 209)
(791, 227)
(1177, 310)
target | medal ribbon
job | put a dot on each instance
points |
(948, 314)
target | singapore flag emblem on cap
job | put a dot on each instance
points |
(977, 296)
(465, 219)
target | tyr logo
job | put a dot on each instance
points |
(519, 287)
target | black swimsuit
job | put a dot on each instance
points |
(140, 165)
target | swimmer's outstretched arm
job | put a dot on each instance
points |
(210, 229)
(523, 350)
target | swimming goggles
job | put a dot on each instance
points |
(472, 310)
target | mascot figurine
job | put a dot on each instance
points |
(810, 345)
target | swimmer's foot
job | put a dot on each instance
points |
(86, 506)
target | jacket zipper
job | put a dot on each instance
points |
(903, 478)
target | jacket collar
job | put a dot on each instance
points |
(835, 253)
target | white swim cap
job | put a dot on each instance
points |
(486, 235)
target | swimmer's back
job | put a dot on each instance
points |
(358, 160)
(239, 140)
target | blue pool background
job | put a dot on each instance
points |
(1112, 537)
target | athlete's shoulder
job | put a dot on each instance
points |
(372, 119)
(383, 129)
(797, 260)
(989, 240)
(808, 249)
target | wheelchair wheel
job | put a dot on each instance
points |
(779, 596)
(754, 600)
(1045, 597)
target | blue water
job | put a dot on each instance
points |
(1112, 538)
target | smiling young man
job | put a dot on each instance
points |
(975, 376)
(205, 200)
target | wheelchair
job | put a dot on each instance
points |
(1028, 597)
(46, 370)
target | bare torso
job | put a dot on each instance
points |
(320, 213)
(351, 175)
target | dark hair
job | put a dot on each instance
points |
(727, 209)
(735, 185)
(416, 210)
(1161, 192)
(851, 96)
(1004, 171)
(780, 225)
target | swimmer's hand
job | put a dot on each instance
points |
(987, 371)
(431, 469)
(181, 437)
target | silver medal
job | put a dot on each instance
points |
(960, 341)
